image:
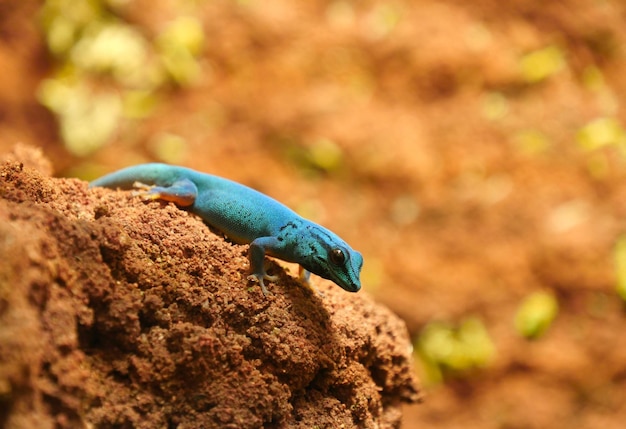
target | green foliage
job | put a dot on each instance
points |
(536, 314)
(178, 46)
(601, 132)
(64, 21)
(598, 138)
(325, 155)
(541, 64)
(108, 70)
(619, 257)
(445, 349)
(315, 156)
(169, 148)
(87, 119)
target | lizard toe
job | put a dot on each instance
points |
(259, 278)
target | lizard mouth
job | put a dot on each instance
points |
(351, 287)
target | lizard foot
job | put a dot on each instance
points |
(260, 278)
(304, 276)
(144, 191)
(182, 193)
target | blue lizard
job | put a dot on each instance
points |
(247, 216)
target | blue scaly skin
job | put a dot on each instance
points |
(247, 216)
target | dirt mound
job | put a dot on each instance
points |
(118, 313)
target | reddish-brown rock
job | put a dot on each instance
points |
(119, 313)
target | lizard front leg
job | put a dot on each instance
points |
(257, 261)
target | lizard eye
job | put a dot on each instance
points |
(337, 257)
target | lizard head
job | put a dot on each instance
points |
(344, 268)
(335, 260)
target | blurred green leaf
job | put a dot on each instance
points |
(536, 314)
(115, 48)
(87, 119)
(90, 42)
(179, 45)
(619, 258)
(325, 155)
(538, 65)
(444, 348)
(139, 104)
(601, 132)
(593, 79)
(169, 148)
(64, 20)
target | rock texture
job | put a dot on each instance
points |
(120, 313)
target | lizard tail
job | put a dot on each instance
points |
(149, 174)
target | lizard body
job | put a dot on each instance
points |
(247, 216)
